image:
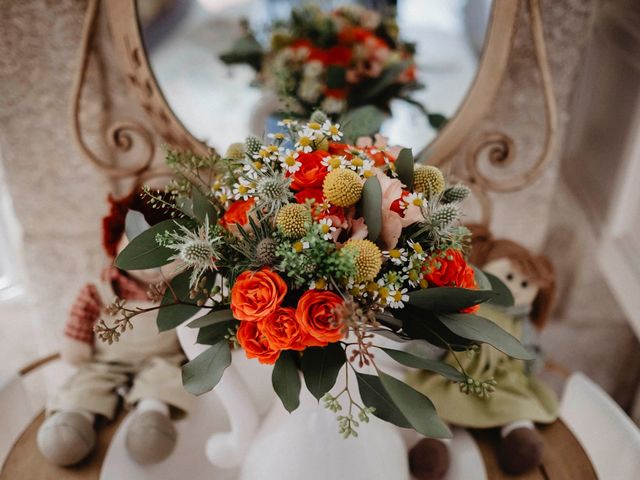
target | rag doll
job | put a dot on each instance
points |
(519, 399)
(142, 368)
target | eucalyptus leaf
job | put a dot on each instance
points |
(404, 167)
(424, 325)
(135, 224)
(320, 367)
(415, 407)
(372, 207)
(504, 296)
(374, 395)
(203, 208)
(215, 316)
(482, 281)
(414, 361)
(286, 380)
(212, 334)
(204, 372)
(436, 120)
(143, 251)
(173, 314)
(448, 299)
(480, 329)
(361, 122)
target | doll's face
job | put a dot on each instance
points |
(151, 275)
(523, 289)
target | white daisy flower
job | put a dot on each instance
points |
(287, 122)
(305, 141)
(300, 246)
(398, 256)
(326, 228)
(289, 161)
(319, 284)
(333, 162)
(398, 298)
(332, 130)
(413, 198)
(243, 189)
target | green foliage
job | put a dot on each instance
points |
(203, 208)
(320, 366)
(144, 252)
(320, 260)
(286, 380)
(414, 361)
(204, 372)
(374, 395)
(404, 167)
(336, 76)
(479, 329)
(448, 299)
(213, 317)
(247, 50)
(415, 407)
(217, 332)
(372, 207)
(361, 122)
(436, 120)
(173, 312)
(504, 296)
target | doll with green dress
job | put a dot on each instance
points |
(519, 400)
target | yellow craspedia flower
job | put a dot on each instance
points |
(368, 259)
(342, 187)
(429, 180)
(235, 151)
(293, 220)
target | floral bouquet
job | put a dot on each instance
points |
(305, 257)
(339, 60)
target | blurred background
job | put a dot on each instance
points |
(584, 211)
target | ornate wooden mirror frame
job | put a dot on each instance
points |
(497, 147)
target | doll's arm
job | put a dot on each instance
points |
(77, 346)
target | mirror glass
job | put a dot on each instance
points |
(221, 104)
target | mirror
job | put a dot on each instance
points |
(220, 104)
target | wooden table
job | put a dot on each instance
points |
(564, 458)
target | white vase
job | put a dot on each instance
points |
(306, 444)
(302, 444)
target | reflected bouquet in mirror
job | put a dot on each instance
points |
(314, 255)
(338, 60)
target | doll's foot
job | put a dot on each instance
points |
(429, 459)
(521, 450)
(151, 437)
(66, 438)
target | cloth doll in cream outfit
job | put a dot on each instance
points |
(142, 368)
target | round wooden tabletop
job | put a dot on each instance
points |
(564, 457)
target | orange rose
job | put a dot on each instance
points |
(283, 331)
(311, 173)
(316, 314)
(255, 344)
(256, 295)
(451, 270)
(237, 213)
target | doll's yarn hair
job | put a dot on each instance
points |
(113, 222)
(485, 248)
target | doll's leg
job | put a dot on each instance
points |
(429, 459)
(67, 436)
(521, 447)
(151, 435)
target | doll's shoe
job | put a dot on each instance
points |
(429, 459)
(521, 451)
(151, 437)
(66, 438)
